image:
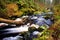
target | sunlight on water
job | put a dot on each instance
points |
(18, 29)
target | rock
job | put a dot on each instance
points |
(36, 32)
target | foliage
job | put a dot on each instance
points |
(18, 7)
(55, 30)
(57, 11)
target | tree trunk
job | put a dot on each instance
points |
(11, 21)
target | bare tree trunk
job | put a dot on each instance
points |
(11, 21)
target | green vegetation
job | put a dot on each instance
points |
(57, 11)
(18, 7)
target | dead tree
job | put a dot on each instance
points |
(13, 21)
